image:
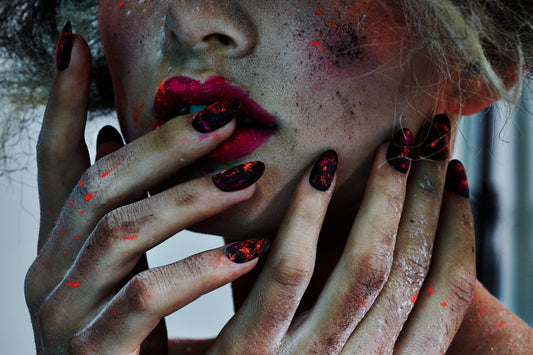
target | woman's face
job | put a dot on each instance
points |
(329, 74)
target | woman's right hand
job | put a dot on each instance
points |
(95, 226)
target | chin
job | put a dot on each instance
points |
(242, 222)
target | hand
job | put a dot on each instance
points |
(387, 293)
(85, 291)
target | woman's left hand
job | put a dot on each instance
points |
(387, 293)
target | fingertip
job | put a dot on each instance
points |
(108, 141)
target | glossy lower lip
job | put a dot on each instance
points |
(243, 142)
(174, 93)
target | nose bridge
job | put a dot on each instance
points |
(218, 26)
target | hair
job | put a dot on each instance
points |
(490, 39)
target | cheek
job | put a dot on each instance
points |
(132, 33)
(348, 41)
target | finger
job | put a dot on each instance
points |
(107, 142)
(123, 177)
(449, 287)
(61, 152)
(365, 263)
(123, 235)
(412, 252)
(156, 293)
(265, 316)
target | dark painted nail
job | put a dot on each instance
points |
(239, 177)
(324, 171)
(216, 115)
(436, 139)
(456, 180)
(400, 150)
(108, 134)
(242, 252)
(64, 47)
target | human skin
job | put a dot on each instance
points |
(346, 87)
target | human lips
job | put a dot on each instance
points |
(181, 95)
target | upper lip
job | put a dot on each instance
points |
(179, 91)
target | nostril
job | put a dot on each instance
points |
(222, 39)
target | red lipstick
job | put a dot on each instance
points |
(254, 124)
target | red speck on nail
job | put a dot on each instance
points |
(78, 237)
(65, 252)
(320, 12)
(47, 211)
(81, 183)
(71, 204)
(82, 212)
(480, 310)
(444, 304)
(413, 300)
(334, 25)
(430, 290)
(73, 284)
(500, 325)
(121, 3)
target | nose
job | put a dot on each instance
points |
(218, 27)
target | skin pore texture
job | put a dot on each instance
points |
(331, 72)
(394, 248)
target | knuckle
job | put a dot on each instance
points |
(370, 272)
(117, 224)
(412, 267)
(81, 344)
(290, 272)
(49, 315)
(185, 195)
(463, 289)
(140, 291)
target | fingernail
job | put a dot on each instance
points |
(216, 115)
(400, 150)
(108, 134)
(239, 177)
(64, 47)
(456, 180)
(436, 139)
(324, 170)
(242, 252)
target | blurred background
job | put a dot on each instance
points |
(495, 146)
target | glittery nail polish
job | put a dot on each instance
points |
(216, 115)
(239, 177)
(436, 139)
(64, 47)
(400, 150)
(456, 180)
(324, 170)
(242, 252)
